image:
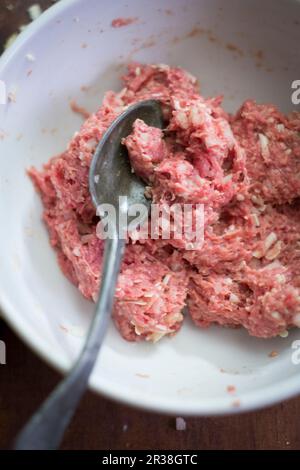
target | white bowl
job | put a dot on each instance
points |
(242, 49)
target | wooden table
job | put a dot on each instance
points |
(101, 424)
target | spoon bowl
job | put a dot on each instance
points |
(111, 175)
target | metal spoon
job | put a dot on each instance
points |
(46, 428)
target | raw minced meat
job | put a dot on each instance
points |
(243, 168)
(150, 297)
(257, 285)
(271, 142)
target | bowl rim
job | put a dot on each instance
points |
(256, 399)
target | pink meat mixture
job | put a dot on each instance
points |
(244, 168)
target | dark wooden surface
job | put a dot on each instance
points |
(99, 423)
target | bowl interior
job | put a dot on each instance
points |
(246, 50)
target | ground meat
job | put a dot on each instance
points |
(147, 148)
(149, 300)
(244, 169)
(271, 142)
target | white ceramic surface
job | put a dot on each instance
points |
(241, 49)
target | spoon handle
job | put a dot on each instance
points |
(46, 428)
